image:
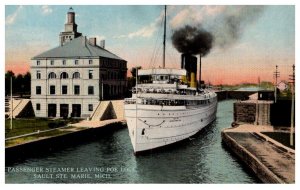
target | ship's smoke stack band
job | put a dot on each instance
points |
(192, 40)
(189, 63)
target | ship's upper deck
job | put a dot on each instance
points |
(167, 85)
(160, 71)
(162, 78)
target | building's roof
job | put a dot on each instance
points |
(78, 47)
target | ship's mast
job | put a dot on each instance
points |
(164, 43)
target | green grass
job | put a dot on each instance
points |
(283, 138)
(22, 140)
(25, 126)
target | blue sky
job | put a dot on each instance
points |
(134, 32)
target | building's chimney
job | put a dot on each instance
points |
(102, 44)
(93, 41)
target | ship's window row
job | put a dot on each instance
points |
(170, 79)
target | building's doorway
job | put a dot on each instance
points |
(51, 110)
(76, 110)
(64, 110)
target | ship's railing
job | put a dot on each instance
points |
(144, 90)
(164, 91)
(169, 102)
(156, 90)
(129, 101)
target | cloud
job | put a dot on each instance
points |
(180, 18)
(213, 10)
(146, 31)
(46, 10)
(195, 15)
(10, 19)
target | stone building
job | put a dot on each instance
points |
(71, 79)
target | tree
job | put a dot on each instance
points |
(27, 83)
(21, 83)
(8, 76)
(131, 80)
(133, 71)
(18, 85)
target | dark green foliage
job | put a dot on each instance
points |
(20, 83)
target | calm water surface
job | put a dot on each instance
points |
(200, 159)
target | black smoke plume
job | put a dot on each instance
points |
(192, 40)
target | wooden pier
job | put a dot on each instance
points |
(270, 160)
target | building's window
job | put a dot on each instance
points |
(76, 75)
(76, 62)
(90, 90)
(64, 75)
(38, 74)
(64, 89)
(90, 61)
(76, 89)
(90, 107)
(51, 62)
(38, 62)
(64, 62)
(52, 89)
(38, 106)
(90, 74)
(38, 89)
(52, 75)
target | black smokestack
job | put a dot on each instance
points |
(192, 40)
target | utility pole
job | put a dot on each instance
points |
(11, 105)
(256, 105)
(292, 81)
(276, 75)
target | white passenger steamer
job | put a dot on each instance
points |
(164, 109)
(166, 106)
